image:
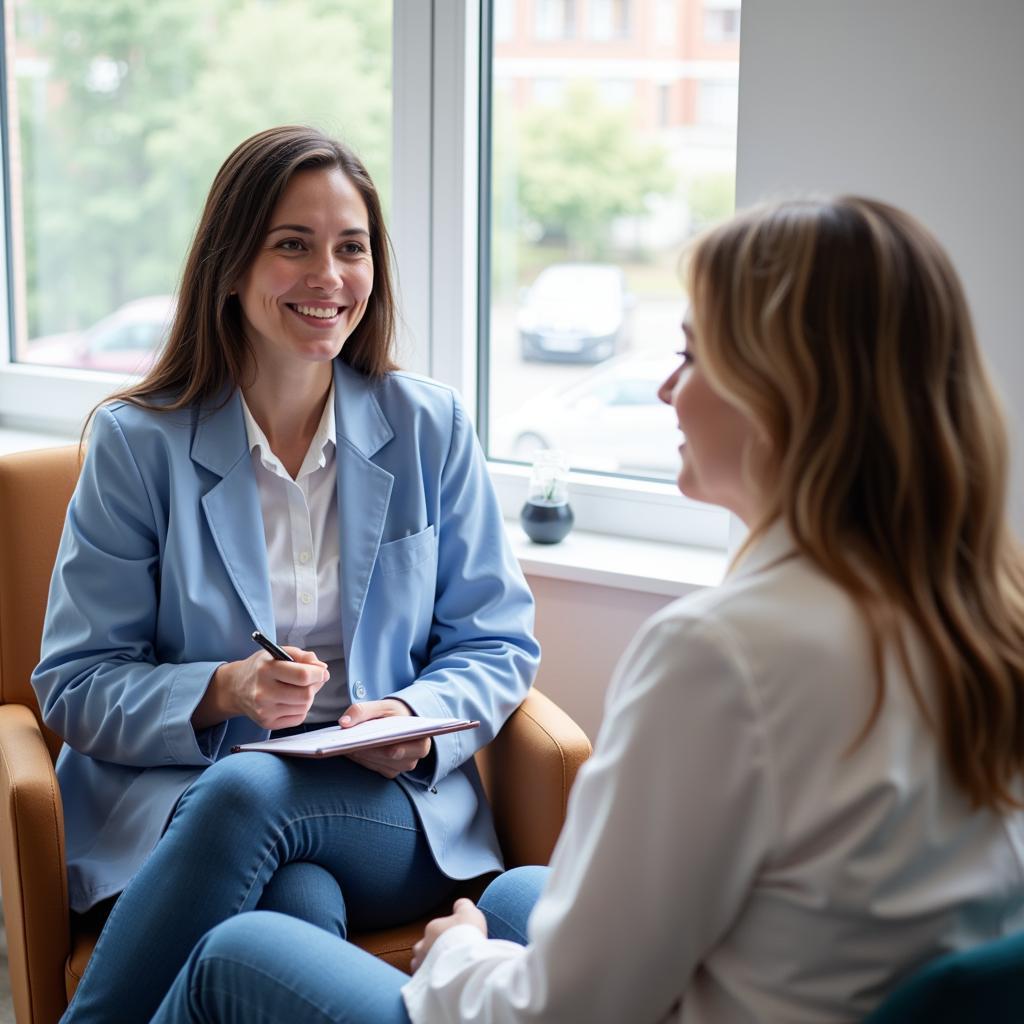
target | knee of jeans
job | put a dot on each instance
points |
(235, 788)
(309, 892)
(512, 896)
(241, 936)
(515, 886)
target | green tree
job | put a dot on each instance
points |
(583, 165)
(143, 101)
(711, 197)
(115, 71)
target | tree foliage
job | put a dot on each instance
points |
(126, 109)
(141, 104)
(585, 164)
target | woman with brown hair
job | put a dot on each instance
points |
(809, 779)
(275, 473)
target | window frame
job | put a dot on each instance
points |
(439, 230)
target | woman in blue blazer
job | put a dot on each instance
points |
(274, 472)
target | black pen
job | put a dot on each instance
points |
(270, 647)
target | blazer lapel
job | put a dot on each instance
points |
(233, 511)
(364, 490)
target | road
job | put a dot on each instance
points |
(514, 381)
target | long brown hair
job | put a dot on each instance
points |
(841, 328)
(207, 351)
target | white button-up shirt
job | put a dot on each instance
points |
(300, 524)
(729, 855)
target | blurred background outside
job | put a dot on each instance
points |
(613, 141)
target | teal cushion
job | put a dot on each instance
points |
(981, 984)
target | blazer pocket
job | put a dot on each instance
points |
(407, 552)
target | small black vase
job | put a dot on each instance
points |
(546, 523)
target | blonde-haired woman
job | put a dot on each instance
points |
(808, 781)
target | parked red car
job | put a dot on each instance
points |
(126, 341)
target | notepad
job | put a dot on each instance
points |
(378, 732)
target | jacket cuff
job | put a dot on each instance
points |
(447, 750)
(184, 745)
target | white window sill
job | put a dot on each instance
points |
(651, 567)
(23, 440)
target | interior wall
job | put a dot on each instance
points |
(583, 629)
(918, 102)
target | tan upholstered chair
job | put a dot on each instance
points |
(527, 770)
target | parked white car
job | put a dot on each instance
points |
(575, 313)
(610, 420)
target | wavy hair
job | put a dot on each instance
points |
(841, 329)
(207, 350)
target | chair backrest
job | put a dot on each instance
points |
(35, 488)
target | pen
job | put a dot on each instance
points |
(270, 647)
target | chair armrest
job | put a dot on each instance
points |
(528, 770)
(32, 868)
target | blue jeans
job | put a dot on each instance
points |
(329, 841)
(260, 968)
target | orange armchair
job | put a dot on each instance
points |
(527, 770)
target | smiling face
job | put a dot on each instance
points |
(718, 438)
(310, 282)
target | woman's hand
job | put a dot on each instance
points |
(463, 912)
(387, 761)
(273, 694)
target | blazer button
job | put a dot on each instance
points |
(359, 690)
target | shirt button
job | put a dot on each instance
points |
(304, 557)
(306, 598)
(359, 690)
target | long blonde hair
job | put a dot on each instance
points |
(841, 329)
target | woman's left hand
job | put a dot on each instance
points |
(463, 912)
(387, 761)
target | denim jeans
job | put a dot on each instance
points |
(327, 840)
(261, 968)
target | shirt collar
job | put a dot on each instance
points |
(319, 447)
(775, 544)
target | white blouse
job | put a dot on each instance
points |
(300, 523)
(727, 856)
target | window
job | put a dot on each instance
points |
(617, 92)
(555, 19)
(609, 19)
(716, 103)
(664, 105)
(111, 141)
(504, 20)
(120, 113)
(721, 21)
(548, 92)
(665, 21)
(592, 193)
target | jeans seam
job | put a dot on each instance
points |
(212, 986)
(511, 927)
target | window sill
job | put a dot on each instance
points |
(650, 567)
(12, 440)
(598, 559)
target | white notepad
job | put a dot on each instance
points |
(378, 732)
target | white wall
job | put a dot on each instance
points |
(919, 102)
(583, 629)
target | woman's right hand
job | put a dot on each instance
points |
(273, 694)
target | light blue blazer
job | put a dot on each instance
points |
(162, 575)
